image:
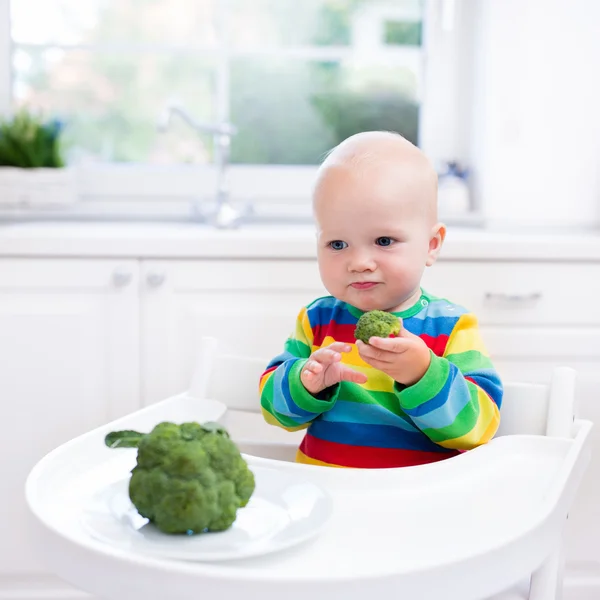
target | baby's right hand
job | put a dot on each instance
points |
(323, 369)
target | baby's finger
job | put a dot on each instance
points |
(389, 344)
(348, 374)
(339, 347)
(312, 366)
(326, 356)
(369, 353)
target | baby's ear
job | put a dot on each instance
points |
(436, 239)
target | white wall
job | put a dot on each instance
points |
(536, 111)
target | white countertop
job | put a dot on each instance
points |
(183, 240)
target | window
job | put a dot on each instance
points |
(295, 78)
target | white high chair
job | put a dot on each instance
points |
(527, 409)
(500, 509)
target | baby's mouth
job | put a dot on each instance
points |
(364, 285)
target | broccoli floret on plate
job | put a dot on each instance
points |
(189, 478)
(376, 323)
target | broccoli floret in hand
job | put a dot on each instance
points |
(376, 323)
(189, 478)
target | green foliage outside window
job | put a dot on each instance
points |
(287, 111)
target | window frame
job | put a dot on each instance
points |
(5, 58)
(167, 191)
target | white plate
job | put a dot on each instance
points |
(283, 511)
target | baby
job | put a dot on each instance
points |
(420, 397)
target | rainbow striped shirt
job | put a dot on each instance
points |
(381, 423)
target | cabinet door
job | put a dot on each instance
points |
(250, 306)
(68, 363)
(524, 293)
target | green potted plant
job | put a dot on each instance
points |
(32, 169)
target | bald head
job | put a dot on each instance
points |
(388, 160)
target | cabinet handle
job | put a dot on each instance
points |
(513, 300)
(121, 277)
(155, 279)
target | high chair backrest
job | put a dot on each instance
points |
(539, 409)
(527, 408)
(235, 381)
(229, 378)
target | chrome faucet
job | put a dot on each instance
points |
(225, 215)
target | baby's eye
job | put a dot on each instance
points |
(338, 245)
(384, 241)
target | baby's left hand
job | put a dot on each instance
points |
(405, 358)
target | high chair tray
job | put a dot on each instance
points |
(470, 526)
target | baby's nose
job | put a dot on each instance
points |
(360, 262)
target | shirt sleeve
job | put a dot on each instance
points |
(457, 402)
(285, 402)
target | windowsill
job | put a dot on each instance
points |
(167, 193)
(123, 209)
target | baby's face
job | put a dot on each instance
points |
(374, 239)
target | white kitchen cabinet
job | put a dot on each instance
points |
(83, 341)
(68, 363)
(520, 293)
(250, 306)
